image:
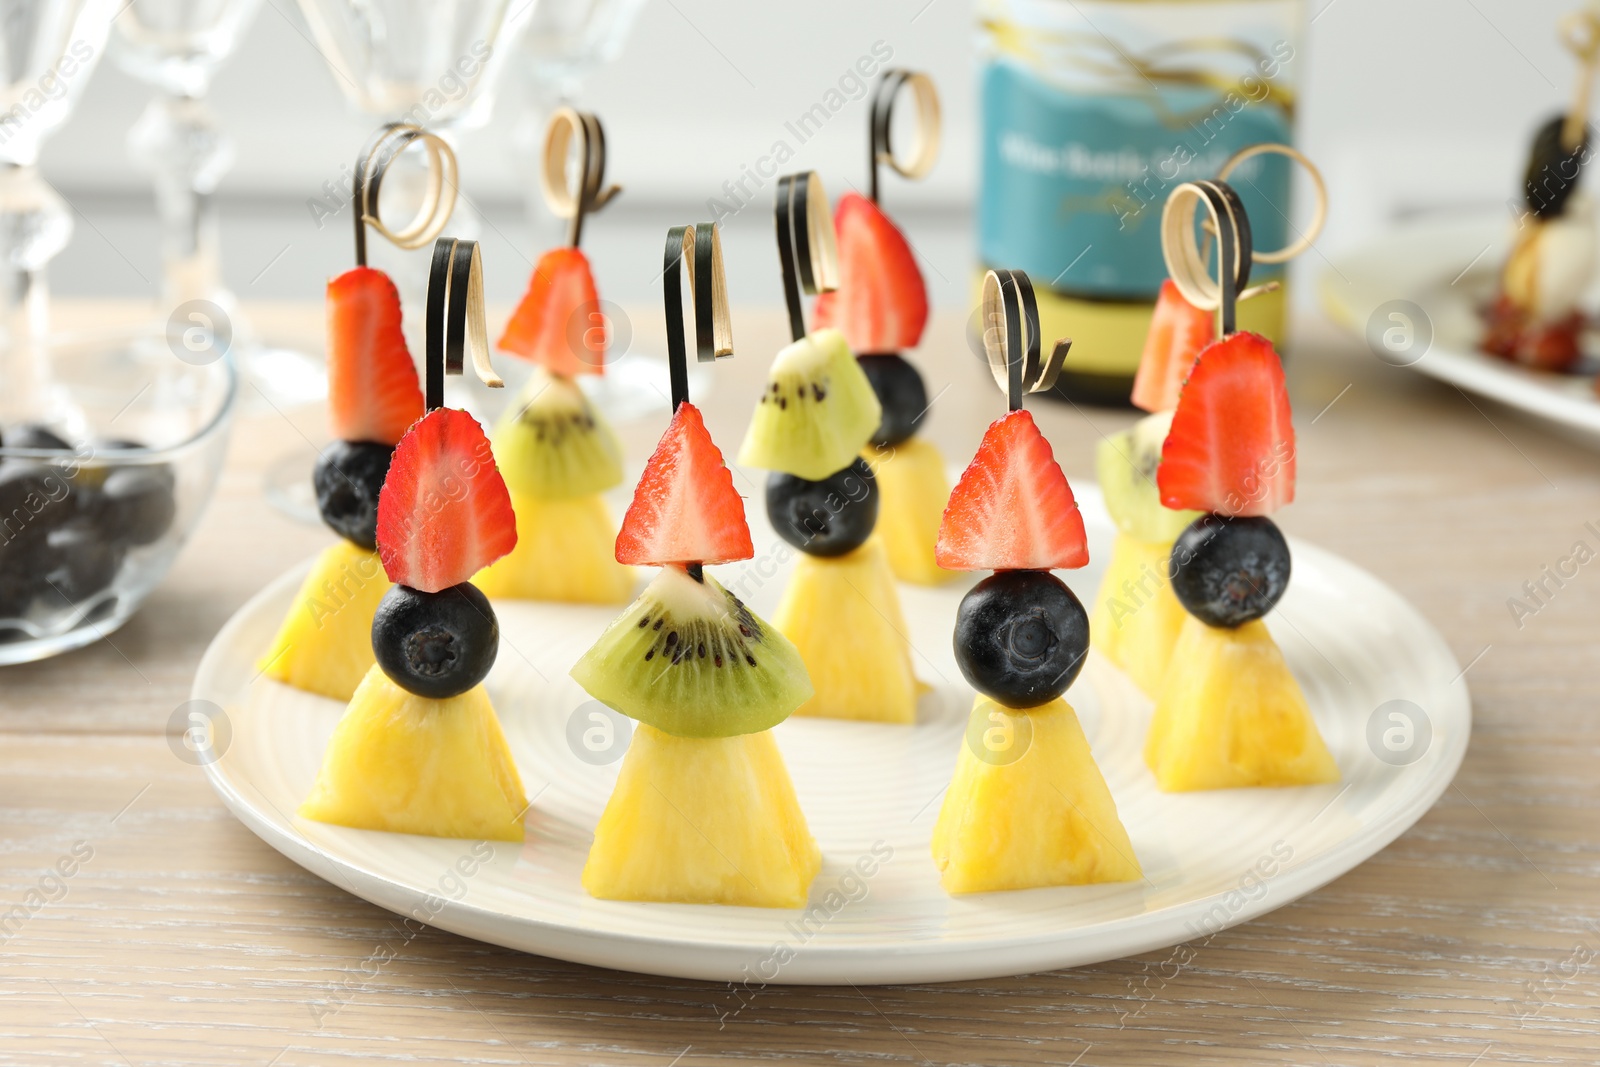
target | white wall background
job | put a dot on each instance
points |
(1409, 105)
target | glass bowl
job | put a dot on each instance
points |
(86, 532)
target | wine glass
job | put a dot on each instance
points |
(49, 50)
(176, 47)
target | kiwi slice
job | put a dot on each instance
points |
(817, 412)
(551, 442)
(690, 659)
(1125, 465)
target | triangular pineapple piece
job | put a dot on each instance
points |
(1136, 616)
(1044, 817)
(413, 765)
(325, 643)
(697, 820)
(1230, 714)
(564, 552)
(843, 614)
(913, 490)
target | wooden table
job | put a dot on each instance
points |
(1475, 938)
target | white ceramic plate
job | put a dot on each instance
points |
(1351, 641)
(1448, 268)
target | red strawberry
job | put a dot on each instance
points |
(1231, 446)
(1178, 331)
(559, 322)
(444, 513)
(881, 304)
(1012, 508)
(373, 394)
(685, 509)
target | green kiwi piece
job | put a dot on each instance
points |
(552, 443)
(817, 412)
(1125, 465)
(690, 659)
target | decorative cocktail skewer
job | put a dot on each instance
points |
(703, 811)
(1136, 618)
(1027, 806)
(881, 307)
(553, 444)
(325, 643)
(1229, 713)
(419, 749)
(1536, 317)
(841, 607)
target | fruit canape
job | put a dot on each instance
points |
(1229, 712)
(841, 607)
(880, 305)
(556, 451)
(1027, 805)
(1136, 617)
(703, 811)
(419, 749)
(324, 645)
(1535, 317)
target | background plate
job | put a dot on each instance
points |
(1448, 268)
(1211, 859)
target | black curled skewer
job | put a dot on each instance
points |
(455, 323)
(808, 252)
(1187, 262)
(879, 146)
(438, 201)
(1011, 340)
(567, 126)
(695, 251)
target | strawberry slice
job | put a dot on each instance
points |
(685, 509)
(444, 513)
(373, 393)
(881, 304)
(559, 323)
(1012, 508)
(1231, 446)
(1178, 331)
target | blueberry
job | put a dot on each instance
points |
(1553, 172)
(136, 505)
(435, 644)
(902, 394)
(826, 518)
(1021, 637)
(348, 477)
(82, 563)
(1229, 571)
(30, 435)
(92, 474)
(34, 499)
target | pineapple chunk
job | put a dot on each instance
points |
(1136, 616)
(1042, 818)
(566, 551)
(703, 820)
(413, 765)
(843, 614)
(914, 491)
(1230, 714)
(325, 643)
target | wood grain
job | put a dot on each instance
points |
(1474, 938)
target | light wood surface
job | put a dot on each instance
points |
(1473, 939)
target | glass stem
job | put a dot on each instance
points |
(34, 225)
(179, 142)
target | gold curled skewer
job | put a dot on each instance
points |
(1011, 341)
(455, 319)
(1319, 215)
(808, 251)
(438, 200)
(568, 127)
(929, 130)
(1580, 32)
